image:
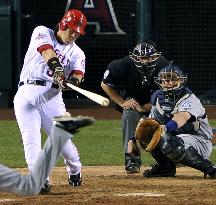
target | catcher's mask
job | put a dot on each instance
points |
(144, 53)
(171, 78)
(75, 20)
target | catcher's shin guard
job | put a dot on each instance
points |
(193, 159)
(132, 163)
(164, 167)
(161, 158)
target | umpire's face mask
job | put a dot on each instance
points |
(147, 60)
(144, 54)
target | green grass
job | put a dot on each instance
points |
(100, 144)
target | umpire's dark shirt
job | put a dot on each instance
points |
(124, 76)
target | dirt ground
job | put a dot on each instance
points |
(110, 185)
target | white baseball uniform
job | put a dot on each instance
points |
(35, 105)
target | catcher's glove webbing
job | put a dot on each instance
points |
(148, 133)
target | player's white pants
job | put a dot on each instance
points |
(35, 106)
(12, 181)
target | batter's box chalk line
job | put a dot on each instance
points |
(141, 194)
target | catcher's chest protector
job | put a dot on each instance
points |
(163, 109)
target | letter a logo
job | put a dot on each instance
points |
(99, 13)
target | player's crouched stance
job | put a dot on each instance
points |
(33, 183)
(185, 134)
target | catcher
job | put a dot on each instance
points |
(177, 130)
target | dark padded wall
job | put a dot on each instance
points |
(6, 53)
(186, 32)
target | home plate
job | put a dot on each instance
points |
(141, 194)
(4, 200)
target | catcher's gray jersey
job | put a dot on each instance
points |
(200, 138)
(12, 181)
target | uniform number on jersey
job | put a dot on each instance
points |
(186, 105)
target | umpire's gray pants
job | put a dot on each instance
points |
(129, 122)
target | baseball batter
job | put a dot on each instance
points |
(187, 133)
(62, 130)
(52, 59)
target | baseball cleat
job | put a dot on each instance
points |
(72, 124)
(46, 188)
(212, 173)
(75, 180)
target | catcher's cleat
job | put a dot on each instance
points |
(46, 188)
(72, 124)
(132, 164)
(75, 180)
(160, 171)
(212, 174)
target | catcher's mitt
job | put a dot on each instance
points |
(148, 133)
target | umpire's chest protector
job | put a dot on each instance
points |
(135, 88)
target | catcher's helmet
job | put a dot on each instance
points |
(75, 20)
(171, 77)
(144, 53)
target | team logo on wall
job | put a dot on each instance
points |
(99, 13)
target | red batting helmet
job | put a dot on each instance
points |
(75, 20)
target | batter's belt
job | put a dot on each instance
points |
(38, 82)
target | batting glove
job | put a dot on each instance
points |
(59, 78)
(74, 81)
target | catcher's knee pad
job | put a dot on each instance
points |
(173, 148)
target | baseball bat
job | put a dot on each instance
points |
(93, 96)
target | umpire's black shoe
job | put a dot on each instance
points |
(46, 188)
(160, 171)
(132, 164)
(75, 180)
(72, 124)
